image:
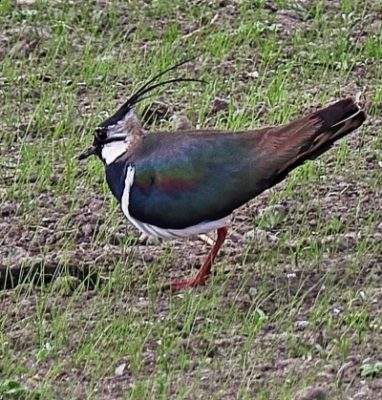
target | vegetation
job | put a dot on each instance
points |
(294, 306)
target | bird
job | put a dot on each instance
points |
(187, 182)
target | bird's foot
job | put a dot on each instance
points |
(204, 271)
(177, 285)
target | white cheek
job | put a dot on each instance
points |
(113, 150)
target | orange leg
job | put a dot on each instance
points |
(205, 270)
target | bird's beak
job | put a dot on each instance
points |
(87, 153)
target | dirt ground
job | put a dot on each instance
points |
(293, 310)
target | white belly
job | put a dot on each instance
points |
(153, 230)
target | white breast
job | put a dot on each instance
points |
(153, 230)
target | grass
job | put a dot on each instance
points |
(296, 305)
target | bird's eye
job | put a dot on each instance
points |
(100, 133)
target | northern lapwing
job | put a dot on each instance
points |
(185, 183)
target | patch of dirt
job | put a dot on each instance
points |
(270, 251)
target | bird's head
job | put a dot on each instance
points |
(113, 136)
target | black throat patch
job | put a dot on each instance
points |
(115, 177)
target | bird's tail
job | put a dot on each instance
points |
(310, 136)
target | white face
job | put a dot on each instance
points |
(111, 151)
(122, 129)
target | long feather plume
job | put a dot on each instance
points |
(139, 95)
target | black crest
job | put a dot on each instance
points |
(139, 95)
(101, 131)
